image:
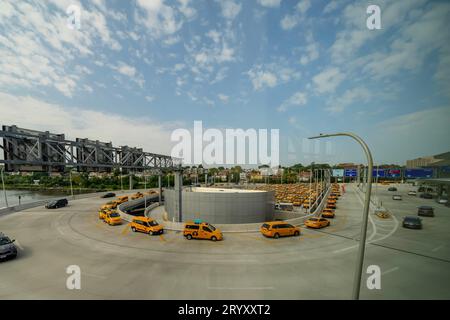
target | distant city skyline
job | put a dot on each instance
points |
(135, 71)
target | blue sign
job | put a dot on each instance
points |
(380, 173)
(350, 173)
(419, 173)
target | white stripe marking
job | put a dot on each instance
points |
(390, 270)
(438, 248)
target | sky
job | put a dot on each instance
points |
(134, 71)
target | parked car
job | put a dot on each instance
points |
(426, 195)
(392, 189)
(410, 222)
(278, 229)
(412, 193)
(108, 195)
(317, 223)
(7, 247)
(421, 189)
(57, 204)
(396, 197)
(442, 200)
(146, 225)
(425, 211)
(198, 229)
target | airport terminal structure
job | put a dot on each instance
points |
(221, 205)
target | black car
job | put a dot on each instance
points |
(425, 211)
(426, 196)
(421, 189)
(7, 247)
(392, 189)
(412, 223)
(108, 195)
(57, 204)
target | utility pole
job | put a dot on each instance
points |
(362, 241)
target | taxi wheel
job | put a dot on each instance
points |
(133, 229)
(189, 237)
(276, 235)
(296, 233)
(213, 238)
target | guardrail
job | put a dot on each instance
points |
(250, 227)
(38, 203)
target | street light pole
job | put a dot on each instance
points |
(362, 241)
(4, 190)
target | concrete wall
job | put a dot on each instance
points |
(227, 207)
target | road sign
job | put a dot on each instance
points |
(350, 173)
(419, 173)
(338, 172)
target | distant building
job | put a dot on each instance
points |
(428, 161)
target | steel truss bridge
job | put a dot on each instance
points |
(30, 150)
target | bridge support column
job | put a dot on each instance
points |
(131, 181)
(178, 190)
(159, 188)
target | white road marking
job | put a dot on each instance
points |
(390, 270)
(438, 248)
(93, 275)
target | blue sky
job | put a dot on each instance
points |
(136, 70)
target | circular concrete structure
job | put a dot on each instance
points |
(221, 205)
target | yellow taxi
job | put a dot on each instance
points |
(198, 229)
(102, 213)
(278, 229)
(331, 204)
(317, 223)
(328, 213)
(146, 225)
(112, 218)
(109, 205)
(122, 199)
(137, 195)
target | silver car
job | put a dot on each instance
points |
(7, 247)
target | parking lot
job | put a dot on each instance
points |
(119, 264)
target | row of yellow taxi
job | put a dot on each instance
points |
(199, 229)
(299, 194)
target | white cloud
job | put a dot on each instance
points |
(184, 8)
(289, 21)
(328, 80)
(125, 69)
(272, 74)
(427, 128)
(222, 97)
(129, 71)
(261, 79)
(303, 6)
(150, 98)
(230, 9)
(150, 134)
(297, 99)
(358, 94)
(311, 53)
(331, 6)
(159, 19)
(38, 49)
(270, 3)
